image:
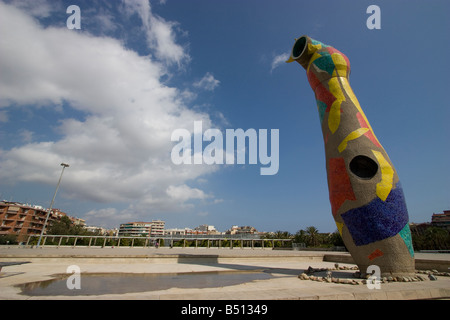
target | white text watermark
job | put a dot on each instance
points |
(74, 20)
(374, 280)
(222, 149)
(74, 281)
(374, 20)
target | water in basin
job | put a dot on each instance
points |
(120, 283)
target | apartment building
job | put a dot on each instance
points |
(154, 228)
(241, 230)
(441, 219)
(207, 228)
(23, 220)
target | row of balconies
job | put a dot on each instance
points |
(22, 210)
(12, 220)
(14, 217)
(9, 230)
(15, 229)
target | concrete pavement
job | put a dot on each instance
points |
(283, 265)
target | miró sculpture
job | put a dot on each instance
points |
(366, 197)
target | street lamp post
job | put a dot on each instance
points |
(64, 165)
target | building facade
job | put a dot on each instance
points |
(208, 229)
(441, 219)
(155, 228)
(241, 230)
(23, 220)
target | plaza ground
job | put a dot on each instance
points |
(283, 265)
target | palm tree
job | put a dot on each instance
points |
(300, 237)
(282, 235)
(312, 234)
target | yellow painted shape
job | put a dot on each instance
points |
(314, 57)
(340, 64)
(334, 117)
(349, 91)
(290, 59)
(339, 225)
(313, 47)
(384, 187)
(351, 136)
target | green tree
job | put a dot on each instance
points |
(282, 235)
(300, 237)
(66, 227)
(336, 240)
(430, 238)
(312, 236)
(62, 227)
(437, 238)
(8, 239)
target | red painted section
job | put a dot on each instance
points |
(375, 254)
(312, 79)
(369, 134)
(325, 96)
(339, 185)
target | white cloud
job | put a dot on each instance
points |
(105, 21)
(119, 152)
(160, 33)
(26, 135)
(279, 60)
(208, 82)
(106, 217)
(184, 192)
(3, 116)
(38, 8)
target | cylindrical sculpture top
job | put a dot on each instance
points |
(366, 197)
(326, 58)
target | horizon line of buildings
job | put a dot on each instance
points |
(24, 220)
(156, 228)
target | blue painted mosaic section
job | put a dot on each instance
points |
(325, 62)
(315, 42)
(405, 233)
(379, 219)
(321, 106)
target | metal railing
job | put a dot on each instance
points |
(208, 241)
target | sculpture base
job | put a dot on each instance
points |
(391, 257)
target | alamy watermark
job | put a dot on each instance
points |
(74, 20)
(74, 281)
(221, 149)
(374, 281)
(374, 20)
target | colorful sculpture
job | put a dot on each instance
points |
(366, 197)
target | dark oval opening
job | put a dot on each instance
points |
(298, 48)
(363, 167)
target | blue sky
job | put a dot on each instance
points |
(107, 97)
